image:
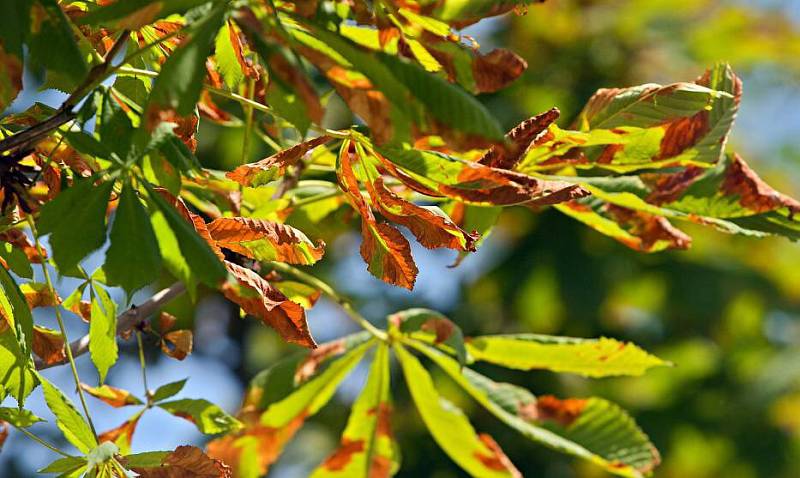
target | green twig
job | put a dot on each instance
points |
(143, 365)
(42, 442)
(62, 328)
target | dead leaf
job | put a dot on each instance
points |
(187, 462)
(177, 344)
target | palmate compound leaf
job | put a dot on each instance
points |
(593, 429)
(476, 454)
(602, 357)
(367, 447)
(16, 341)
(276, 406)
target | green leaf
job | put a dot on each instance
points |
(432, 327)
(113, 125)
(593, 429)
(17, 260)
(591, 358)
(448, 425)
(171, 254)
(16, 364)
(103, 346)
(18, 417)
(209, 418)
(180, 81)
(227, 60)
(168, 390)
(148, 459)
(52, 42)
(76, 220)
(197, 254)
(65, 466)
(133, 259)
(69, 421)
(143, 11)
(367, 447)
(287, 405)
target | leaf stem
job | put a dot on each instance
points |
(62, 328)
(330, 292)
(318, 197)
(43, 442)
(143, 364)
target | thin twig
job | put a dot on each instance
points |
(330, 292)
(42, 442)
(125, 321)
(65, 113)
(62, 328)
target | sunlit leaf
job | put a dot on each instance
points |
(68, 419)
(103, 346)
(265, 241)
(367, 447)
(185, 461)
(116, 397)
(208, 418)
(476, 454)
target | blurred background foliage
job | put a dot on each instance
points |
(726, 312)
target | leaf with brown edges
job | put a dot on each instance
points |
(184, 462)
(269, 169)
(265, 241)
(258, 298)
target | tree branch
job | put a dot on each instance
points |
(64, 113)
(126, 321)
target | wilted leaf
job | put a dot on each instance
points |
(48, 345)
(258, 298)
(186, 461)
(271, 168)
(38, 294)
(265, 241)
(177, 344)
(116, 397)
(433, 327)
(122, 435)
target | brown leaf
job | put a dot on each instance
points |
(187, 462)
(11, 79)
(309, 366)
(275, 165)
(82, 309)
(20, 241)
(384, 249)
(497, 69)
(116, 397)
(497, 461)
(258, 298)
(239, 48)
(283, 243)
(40, 295)
(48, 345)
(753, 192)
(209, 109)
(166, 322)
(519, 139)
(185, 126)
(648, 229)
(432, 230)
(177, 344)
(121, 435)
